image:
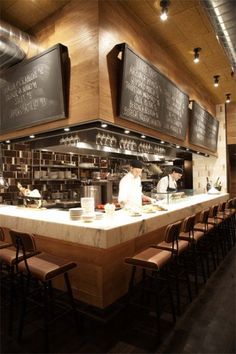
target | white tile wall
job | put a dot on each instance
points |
(212, 167)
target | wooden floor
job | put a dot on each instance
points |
(207, 325)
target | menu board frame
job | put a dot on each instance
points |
(35, 91)
(204, 129)
(150, 94)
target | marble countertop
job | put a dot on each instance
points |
(105, 233)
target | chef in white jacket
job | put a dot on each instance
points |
(130, 187)
(169, 183)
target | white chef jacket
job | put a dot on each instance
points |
(130, 191)
(162, 185)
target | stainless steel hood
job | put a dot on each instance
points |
(99, 142)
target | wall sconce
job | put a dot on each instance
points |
(216, 80)
(196, 54)
(228, 98)
(164, 9)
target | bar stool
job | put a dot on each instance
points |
(194, 255)
(179, 265)
(9, 280)
(204, 245)
(154, 265)
(3, 242)
(216, 236)
(40, 270)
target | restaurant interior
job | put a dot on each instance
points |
(87, 87)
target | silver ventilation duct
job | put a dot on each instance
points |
(15, 45)
(222, 16)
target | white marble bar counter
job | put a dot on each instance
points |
(108, 232)
(99, 248)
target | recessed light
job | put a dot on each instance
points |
(126, 131)
(66, 129)
(104, 125)
(143, 136)
(177, 146)
(206, 155)
(8, 141)
(32, 136)
(187, 149)
(198, 152)
(162, 142)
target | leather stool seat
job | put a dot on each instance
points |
(44, 266)
(150, 258)
(182, 246)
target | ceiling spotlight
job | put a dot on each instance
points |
(187, 149)
(228, 97)
(177, 146)
(162, 142)
(66, 129)
(126, 131)
(196, 54)
(32, 136)
(104, 125)
(198, 152)
(216, 80)
(8, 141)
(164, 9)
(143, 136)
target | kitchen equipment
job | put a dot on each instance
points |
(93, 192)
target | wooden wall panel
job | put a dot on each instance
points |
(117, 25)
(75, 26)
(231, 122)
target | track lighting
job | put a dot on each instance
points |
(196, 55)
(216, 80)
(228, 98)
(164, 9)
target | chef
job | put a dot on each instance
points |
(130, 187)
(169, 183)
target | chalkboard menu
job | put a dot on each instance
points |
(149, 98)
(34, 91)
(203, 128)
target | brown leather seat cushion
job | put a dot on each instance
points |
(8, 255)
(150, 258)
(214, 221)
(201, 227)
(4, 244)
(182, 246)
(197, 235)
(46, 266)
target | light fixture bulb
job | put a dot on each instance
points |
(164, 9)
(126, 131)
(164, 15)
(143, 136)
(216, 80)
(228, 97)
(196, 55)
(104, 125)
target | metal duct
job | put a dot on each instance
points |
(222, 16)
(15, 45)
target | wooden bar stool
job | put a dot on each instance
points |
(179, 247)
(195, 258)
(40, 270)
(154, 265)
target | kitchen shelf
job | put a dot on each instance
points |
(56, 166)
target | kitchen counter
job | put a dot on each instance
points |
(105, 233)
(100, 247)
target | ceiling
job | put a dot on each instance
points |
(191, 24)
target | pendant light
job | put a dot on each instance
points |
(164, 9)
(196, 54)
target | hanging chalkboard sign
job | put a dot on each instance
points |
(203, 128)
(35, 91)
(149, 98)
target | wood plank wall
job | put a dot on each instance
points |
(91, 30)
(231, 144)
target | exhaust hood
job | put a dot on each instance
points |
(99, 142)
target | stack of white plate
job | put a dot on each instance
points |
(88, 217)
(99, 215)
(75, 213)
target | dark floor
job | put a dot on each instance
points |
(207, 325)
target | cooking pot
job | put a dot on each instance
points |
(93, 192)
